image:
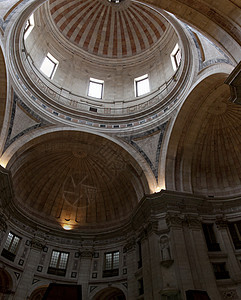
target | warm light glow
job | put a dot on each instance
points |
(67, 227)
(3, 163)
(158, 189)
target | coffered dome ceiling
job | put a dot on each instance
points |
(76, 179)
(112, 30)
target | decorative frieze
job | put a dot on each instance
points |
(37, 244)
(221, 222)
(180, 220)
(130, 245)
(174, 220)
(86, 253)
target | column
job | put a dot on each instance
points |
(131, 264)
(26, 278)
(179, 252)
(203, 275)
(85, 268)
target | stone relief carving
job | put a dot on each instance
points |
(221, 222)
(86, 253)
(174, 220)
(130, 245)
(166, 258)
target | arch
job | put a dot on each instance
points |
(6, 284)
(28, 140)
(203, 147)
(110, 293)
(78, 171)
(3, 91)
(38, 293)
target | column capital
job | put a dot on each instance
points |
(174, 220)
(221, 222)
(130, 245)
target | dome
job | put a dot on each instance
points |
(113, 43)
(106, 29)
(76, 179)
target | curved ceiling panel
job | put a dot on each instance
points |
(76, 179)
(108, 29)
(204, 151)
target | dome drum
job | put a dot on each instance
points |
(66, 94)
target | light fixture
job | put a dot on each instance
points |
(67, 227)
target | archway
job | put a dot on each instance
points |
(203, 154)
(6, 284)
(38, 293)
(110, 293)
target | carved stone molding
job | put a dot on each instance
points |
(178, 220)
(167, 263)
(3, 224)
(221, 222)
(37, 244)
(130, 245)
(193, 221)
(86, 253)
(174, 220)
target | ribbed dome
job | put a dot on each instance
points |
(76, 178)
(108, 29)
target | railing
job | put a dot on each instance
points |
(56, 271)
(111, 273)
(7, 254)
(78, 102)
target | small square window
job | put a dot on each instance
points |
(49, 66)
(176, 57)
(142, 86)
(96, 88)
(28, 26)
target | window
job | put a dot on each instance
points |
(139, 254)
(58, 263)
(142, 85)
(141, 286)
(96, 88)
(28, 26)
(235, 232)
(49, 66)
(210, 237)
(111, 264)
(11, 246)
(176, 57)
(220, 271)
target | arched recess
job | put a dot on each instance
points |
(27, 140)
(78, 178)
(38, 293)
(204, 153)
(3, 88)
(6, 284)
(110, 293)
